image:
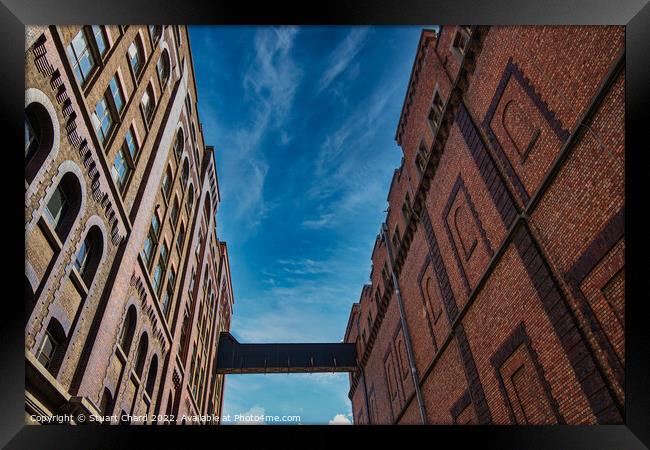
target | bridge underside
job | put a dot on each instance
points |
(236, 358)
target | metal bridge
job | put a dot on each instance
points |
(236, 358)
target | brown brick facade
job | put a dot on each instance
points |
(511, 260)
(120, 320)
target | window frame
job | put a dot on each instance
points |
(463, 32)
(75, 60)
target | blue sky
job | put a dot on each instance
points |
(303, 123)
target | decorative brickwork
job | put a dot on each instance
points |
(524, 180)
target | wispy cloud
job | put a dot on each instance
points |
(342, 181)
(270, 83)
(342, 56)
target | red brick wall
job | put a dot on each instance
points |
(514, 318)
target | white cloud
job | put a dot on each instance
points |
(342, 56)
(340, 419)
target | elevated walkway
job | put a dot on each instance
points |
(236, 358)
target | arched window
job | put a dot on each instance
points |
(520, 129)
(136, 55)
(179, 144)
(186, 172)
(89, 254)
(63, 205)
(151, 377)
(128, 330)
(148, 103)
(39, 138)
(106, 405)
(52, 349)
(141, 357)
(193, 133)
(465, 231)
(163, 67)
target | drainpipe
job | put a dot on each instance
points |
(405, 329)
(363, 379)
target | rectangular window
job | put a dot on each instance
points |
(384, 275)
(147, 104)
(46, 352)
(100, 39)
(461, 40)
(421, 158)
(121, 169)
(102, 119)
(152, 239)
(181, 238)
(157, 276)
(435, 112)
(174, 213)
(81, 58)
(116, 93)
(131, 144)
(169, 291)
(167, 184)
(406, 208)
(134, 58)
(396, 239)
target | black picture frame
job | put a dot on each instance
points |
(634, 14)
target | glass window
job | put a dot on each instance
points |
(157, 276)
(120, 170)
(156, 31)
(131, 144)
(31, 136)
(167, 183)
(163, 67)
(169, 291)
(80, 57)
(56, 206)
(190, 199)
(155, 224)
(178, 145)
(116, 93)
(100, 39)
(135, 54)
(82, 256)
(148, 103)
(461, 40)
(181, 238)
(174, 213)
(46, 352)
(164, 252)
(102, 119)
(152, 239)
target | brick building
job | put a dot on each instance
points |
(127, 285)
(496, 292)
